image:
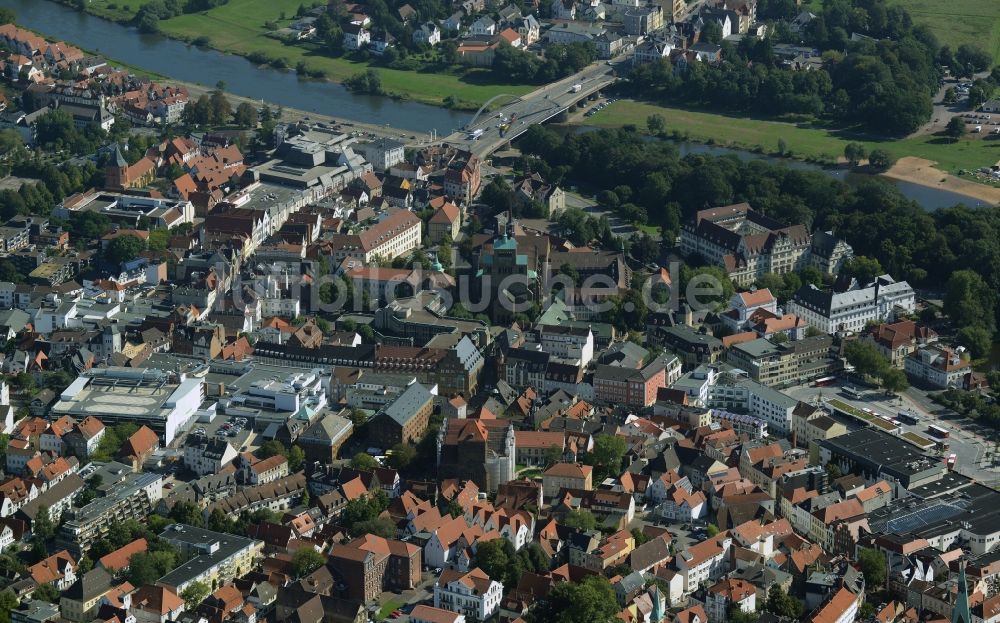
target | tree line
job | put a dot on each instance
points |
(882, 82)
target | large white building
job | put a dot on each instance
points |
(850, 311)
(567, 342)
(938, 366)
(164, 401)
(472, 593)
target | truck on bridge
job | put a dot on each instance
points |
(575, 88)
(475, 134)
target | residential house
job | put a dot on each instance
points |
(566, 476)
(472, 593)
(428, 33)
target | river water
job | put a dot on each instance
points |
(191, 64)
(178, 60)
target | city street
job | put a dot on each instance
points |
(972, 444)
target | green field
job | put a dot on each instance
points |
(804, 142)
(959, 21)
(238, 27)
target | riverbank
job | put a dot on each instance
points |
(809, 143)
(238, 28)
(922, 171)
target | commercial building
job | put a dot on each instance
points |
(787, 363)
(881, 456)
(218, 558)
(163, 401)
(635, 387)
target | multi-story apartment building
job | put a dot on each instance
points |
(124, 495)
(218, 557)
(472, 593)
(851, 311)
(703, 561)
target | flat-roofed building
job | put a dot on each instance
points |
(163, 401)
(218, 557)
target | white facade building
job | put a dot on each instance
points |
(472, 593)
(850, 311)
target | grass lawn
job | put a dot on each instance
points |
(238, 27)
(387, 609)
(813, 143)
(960, 21)
(114, 10)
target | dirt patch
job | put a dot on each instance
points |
(922, 171)
(12, 182)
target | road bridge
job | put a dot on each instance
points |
(531, 109)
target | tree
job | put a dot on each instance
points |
(272, 448)
(296, 457)
(124, 249)
(782, 604)
(970, 301)
(865, 358)
(47, 592)
(977, 339)
(402, 455)
(656, 124)
(879, 159)
(219, 109)
(380, 526)
(195, 593)
(364, 462)
(873, 567)
(186, 513)
(494, 558)
(864, 269)
(245, 115)
(42, 528)
(855, 153)
(712, 529)
(7, 16)
(893, 380)
(606, 457)
(955, 128)
(8, 601)
(553, 455)
(580, 520)
(305, 560)
(592, 600)
(144, 568)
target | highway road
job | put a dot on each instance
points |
(536, 107)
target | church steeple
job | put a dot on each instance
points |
(961, 613)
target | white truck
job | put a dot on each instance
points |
(575, 88)
(475, 134)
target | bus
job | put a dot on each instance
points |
(825, 381)
(936, 431)
(908, 416)
(852, 392)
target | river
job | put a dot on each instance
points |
(178, 60)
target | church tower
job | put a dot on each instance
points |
(961, 613)
(116, 172)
